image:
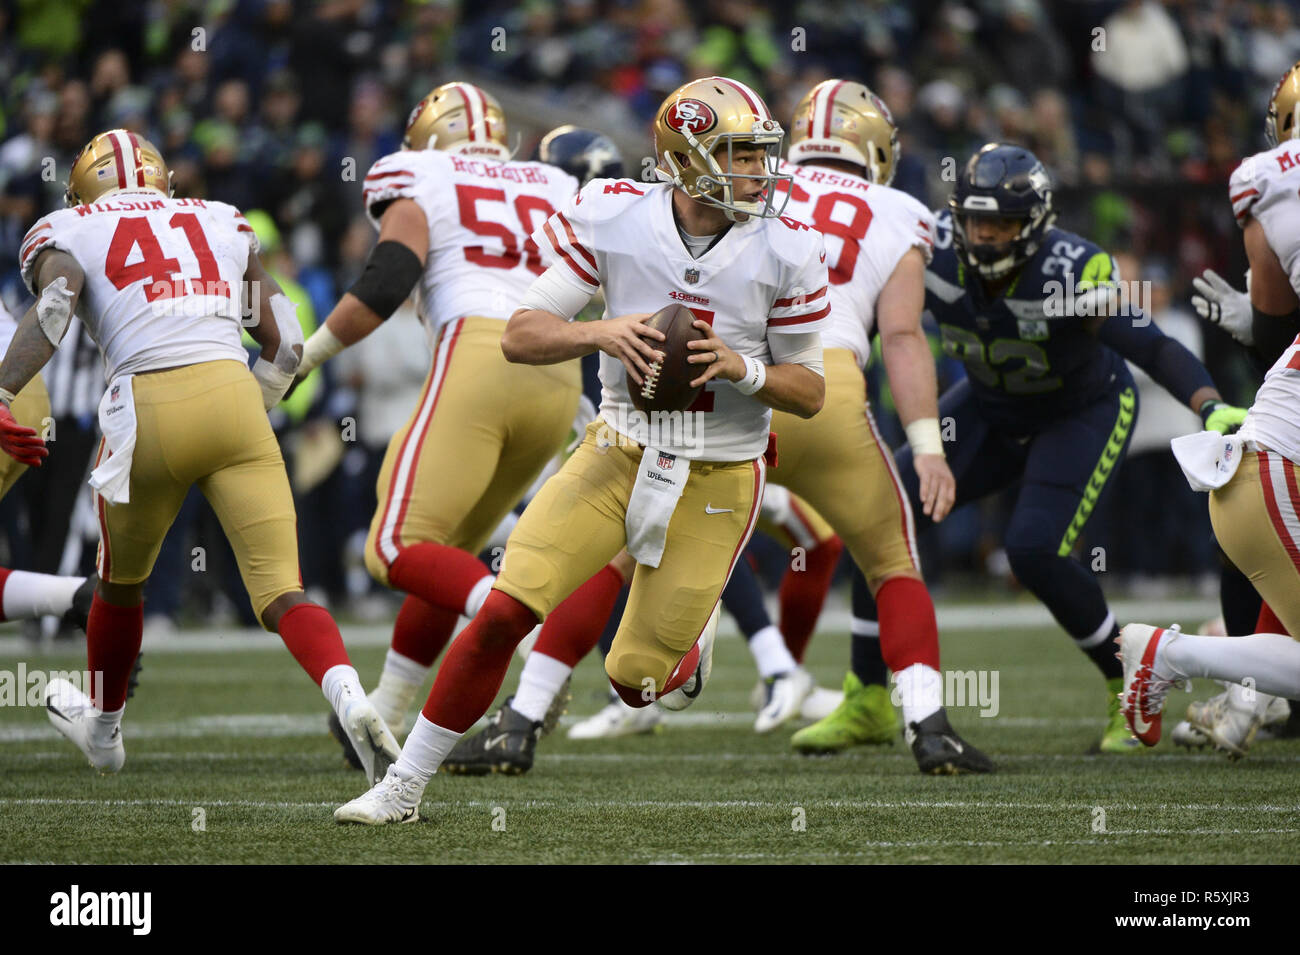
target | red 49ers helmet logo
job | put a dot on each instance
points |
(415, 113)
(690, 116)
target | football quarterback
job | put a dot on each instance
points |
(681, 491)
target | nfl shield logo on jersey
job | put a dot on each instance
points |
(113, 394)
(692, 276)
(666, 460)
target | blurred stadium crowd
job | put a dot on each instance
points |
(1140, 109)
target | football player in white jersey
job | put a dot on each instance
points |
(1255, 482)
(454, 215)
(23, 425)
(843, 150)
(163, 286)
(680, 490)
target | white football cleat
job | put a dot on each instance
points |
(617, 719)
(690, 691)
(74, 715)
(1142, 699)
(786, 693)
(821, 703)
(372, 741)
(393, 799)
(1230, 720)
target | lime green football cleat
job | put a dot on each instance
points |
(864, 716)
(1118, 738)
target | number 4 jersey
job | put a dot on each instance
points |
(1028, 352)
(164, 277)
(480, 215)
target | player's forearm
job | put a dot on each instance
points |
(912, 380)
(794, 389)
(27, 355)
(537, 337)
(1201, 396)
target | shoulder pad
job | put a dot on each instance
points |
(398, 176)
(1249, 188)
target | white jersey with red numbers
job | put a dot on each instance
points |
(1274, 418)
(1266, 187)
(764, 277)
(480, 213)
(164, 277)
(867, 230)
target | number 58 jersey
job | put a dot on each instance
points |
(164, 277)
(867, 230)
(480, 214)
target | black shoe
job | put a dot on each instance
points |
(505, 745)
(939, 751)
(350, 754)
(82, 598)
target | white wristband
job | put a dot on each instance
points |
(924, 437)
(755, 376)
(322, 346)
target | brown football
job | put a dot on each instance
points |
(668, 388)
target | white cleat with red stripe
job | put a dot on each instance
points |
(1146, 681)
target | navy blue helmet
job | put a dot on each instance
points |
(583, 153)
(1002, 181)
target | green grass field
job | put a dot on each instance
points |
(240, 735)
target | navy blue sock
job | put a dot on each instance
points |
(743, 599)
(866, 660)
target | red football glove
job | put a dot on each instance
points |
(22, 444)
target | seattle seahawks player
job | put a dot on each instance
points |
(1032, 312)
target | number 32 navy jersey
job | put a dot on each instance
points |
(1028, 353)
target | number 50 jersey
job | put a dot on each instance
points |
(1028, 353)
(164, 277)
(480, 215)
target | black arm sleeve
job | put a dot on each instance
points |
(390, 273)
(1273, 334)
(1168, 363)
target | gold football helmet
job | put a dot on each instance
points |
(692, 127)
(458, 118)
(116, 161)
(840, 119)
(1283, 120)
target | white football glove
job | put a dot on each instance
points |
(1223, 305)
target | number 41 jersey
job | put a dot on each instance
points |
(480, 215)
(164, 277)
(1028, 353)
